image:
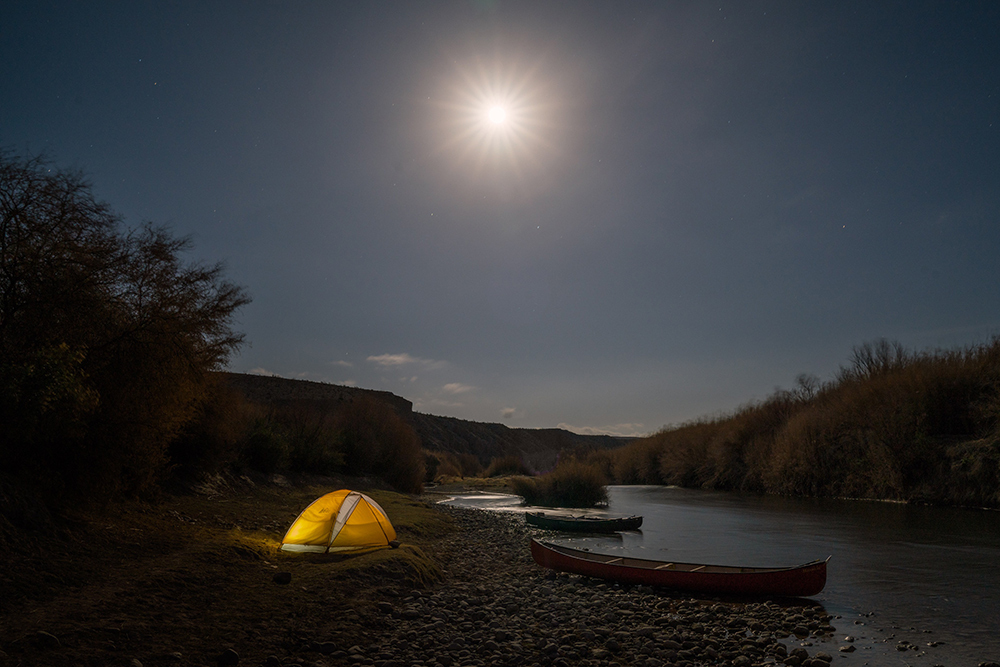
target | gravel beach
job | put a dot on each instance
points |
(497, 607)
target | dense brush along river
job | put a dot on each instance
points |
(898, 573)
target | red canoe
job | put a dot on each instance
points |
(808, 579)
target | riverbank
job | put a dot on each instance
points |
(498, 608)
(901, 425)
(192, 581)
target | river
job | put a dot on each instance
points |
(898, 572)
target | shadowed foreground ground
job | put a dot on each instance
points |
(180, 582)
(192, 582)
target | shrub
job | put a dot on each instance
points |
(266, 448)
(571, 484)
(507, 465)
(638, 462)
(215, 437)
(431, 464)
(974, 471)
(43, 398)
(446, 465)
(468, 465)
(315, 444)
(377, 441)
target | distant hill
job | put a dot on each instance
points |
(536, 447)
(486, 441)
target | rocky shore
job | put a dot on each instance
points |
(199, 582)
(498, 608)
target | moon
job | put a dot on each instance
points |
(497, 115)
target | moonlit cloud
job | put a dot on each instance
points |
(263, 371)
(457, 388)
(403, 359)
(507, 413)
(345, 364)
(620, 430)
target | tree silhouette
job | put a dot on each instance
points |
(106, 335)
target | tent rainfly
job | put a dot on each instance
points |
(340, 521)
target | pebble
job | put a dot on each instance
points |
(228, 658)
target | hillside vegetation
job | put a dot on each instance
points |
(893, 424)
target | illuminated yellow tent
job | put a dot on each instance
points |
(340, 521)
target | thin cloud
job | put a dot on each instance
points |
(457, 388)
(263, 371)
(619, 430)
(345, 364)
(403, 359)
(347, 383)
(507, 413)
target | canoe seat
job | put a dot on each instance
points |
(614, 560)
(664, 566)
(700, 567)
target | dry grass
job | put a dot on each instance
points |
(894, 425)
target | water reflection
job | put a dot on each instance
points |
(898, 571)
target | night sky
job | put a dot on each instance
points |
(683, 206)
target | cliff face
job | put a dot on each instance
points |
(267, 389)
(539, 448)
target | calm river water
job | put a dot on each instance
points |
(898, 572)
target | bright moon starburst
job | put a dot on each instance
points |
(497, 115)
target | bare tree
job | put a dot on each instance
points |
(876, 358)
